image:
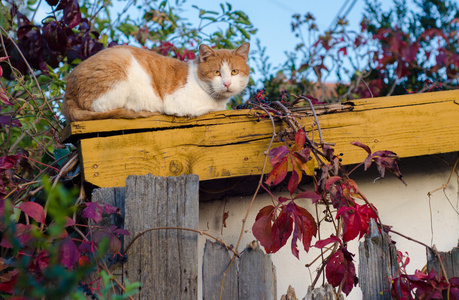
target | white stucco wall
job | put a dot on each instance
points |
(406, 208)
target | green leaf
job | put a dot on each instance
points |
(243, 32)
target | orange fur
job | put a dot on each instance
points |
(126, 67)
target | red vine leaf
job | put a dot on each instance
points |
(298, 156)
(22, 236)
(273, 232)
(341, 269)
(322, 243)
(9, 281)
(261, 229)
(387, 160)
(33, 210)
(309, 195)
(331, 181)
(355, 220)
(300, 139)
(278, 173)
(277, 154)
(68, 253)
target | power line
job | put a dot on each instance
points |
(338, 16)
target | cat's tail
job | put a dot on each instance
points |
(74, 113)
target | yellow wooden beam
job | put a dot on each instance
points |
(233, 143)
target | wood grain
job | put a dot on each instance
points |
(377, 263)
(233, 143)
(164, 261)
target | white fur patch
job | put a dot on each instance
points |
(135, 93)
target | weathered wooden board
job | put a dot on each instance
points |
(450, 262)
(251, 276)
(216, 261)
(377, 263)
(164, 261)
(257, 276)
(233, 143)
(325, 292)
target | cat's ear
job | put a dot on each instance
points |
(204, 52)
(243, 50)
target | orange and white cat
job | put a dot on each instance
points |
(129, 82)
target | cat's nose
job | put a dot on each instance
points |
(227, 84)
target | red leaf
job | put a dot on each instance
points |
(281, 230)
(69, 222)
(9, 281)
(300, 139)
(387, 160)
(22, 235)
(93, 211)
(42, 260)
(303, 156)
(331, 181)
(68, 253)
(293, 182)
(111, 209)
(278, 173)
(33, 210)
(4, 98)
(341, 269)
(305, 227)
(309, 195)
(322, 243)
(344, 50)
(121, 231)
(261, 229)
(355, 220)
(8, 162)
(277, 154)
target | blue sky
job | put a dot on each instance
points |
(273, 18)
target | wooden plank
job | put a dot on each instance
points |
(234, 144)
(450, 261)
(164, 261)
(229, 116)
(377, 263)
(257, 276)
(216, 261)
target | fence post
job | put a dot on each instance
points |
(449, 259)
(325, 292)
(165, 261)
(257, 275)
(377, 263)
(215, 263)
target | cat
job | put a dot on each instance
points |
(129, 82)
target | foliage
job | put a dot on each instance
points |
(412, 47)
(49, 236)
(421, 285)
(342, 203)
(45, 252)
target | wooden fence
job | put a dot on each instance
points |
(164, 260)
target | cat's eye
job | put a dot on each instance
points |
(217, 73)
(234, 72)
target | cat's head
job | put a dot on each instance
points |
(223, 73)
